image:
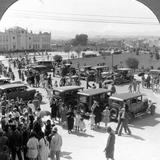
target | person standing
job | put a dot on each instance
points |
(113, 89)
(70, 119)
(55, 145)
(33, 147)
(106, 115)
(98, 116)
(4, 146)
(124, 121)
(109, 149)
(43, 148)
(16, 143)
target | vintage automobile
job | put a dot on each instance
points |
(6, 80)
(86, 98)
(136, 105)
(68, 94)
(98, 70)
(123, 75)
(49, 64)
(84, 72)
(13, 91)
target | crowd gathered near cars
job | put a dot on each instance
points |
(23, 132)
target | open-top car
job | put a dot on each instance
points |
(136, 105)
(68, 94)
(86, 98)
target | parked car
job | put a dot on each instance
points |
(68, 94)
(13, 91)
(49, 64)
(136, 105)
(6, 80)
(124, 75)
(86, 98)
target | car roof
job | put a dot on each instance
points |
(92, 92)
(124, 69)
(67, 88)
(154, 70)
(5, 86)
(86, 66)
(38, 66)
(4, 78)
(45, 61)
(125, 96)
(99, 67)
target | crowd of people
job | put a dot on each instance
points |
(25, 135)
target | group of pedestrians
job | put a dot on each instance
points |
(21, 133)
(134, 86)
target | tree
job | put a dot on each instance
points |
(67, 49)
(132, 63)
(81, 39)
(78, 49)
(57, 59)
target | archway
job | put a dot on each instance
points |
(153, 5)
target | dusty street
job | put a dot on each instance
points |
(143, 144)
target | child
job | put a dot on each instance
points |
(92, 121)
(77, 121)
(82, 125)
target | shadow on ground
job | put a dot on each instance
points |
(146, 120)
(100, 129)
(66, 155)
(82, 134)
(134, 136)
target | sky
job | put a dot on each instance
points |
(66, 18)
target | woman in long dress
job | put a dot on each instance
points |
(33, 147)
(43, 148)
(70, 120)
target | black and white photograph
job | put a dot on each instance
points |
(79, 79)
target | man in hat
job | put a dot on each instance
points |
(55, 145)
(109, 149)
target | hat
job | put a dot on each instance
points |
(109, 129)
(54, 129)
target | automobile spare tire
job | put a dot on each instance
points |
(114, 114)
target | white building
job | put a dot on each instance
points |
(18, 38)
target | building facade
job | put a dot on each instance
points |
(19, 39)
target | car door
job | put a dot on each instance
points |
(11, 93)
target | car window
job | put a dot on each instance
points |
(134, 100)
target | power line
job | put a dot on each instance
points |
(75, 19)
(83, 15)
